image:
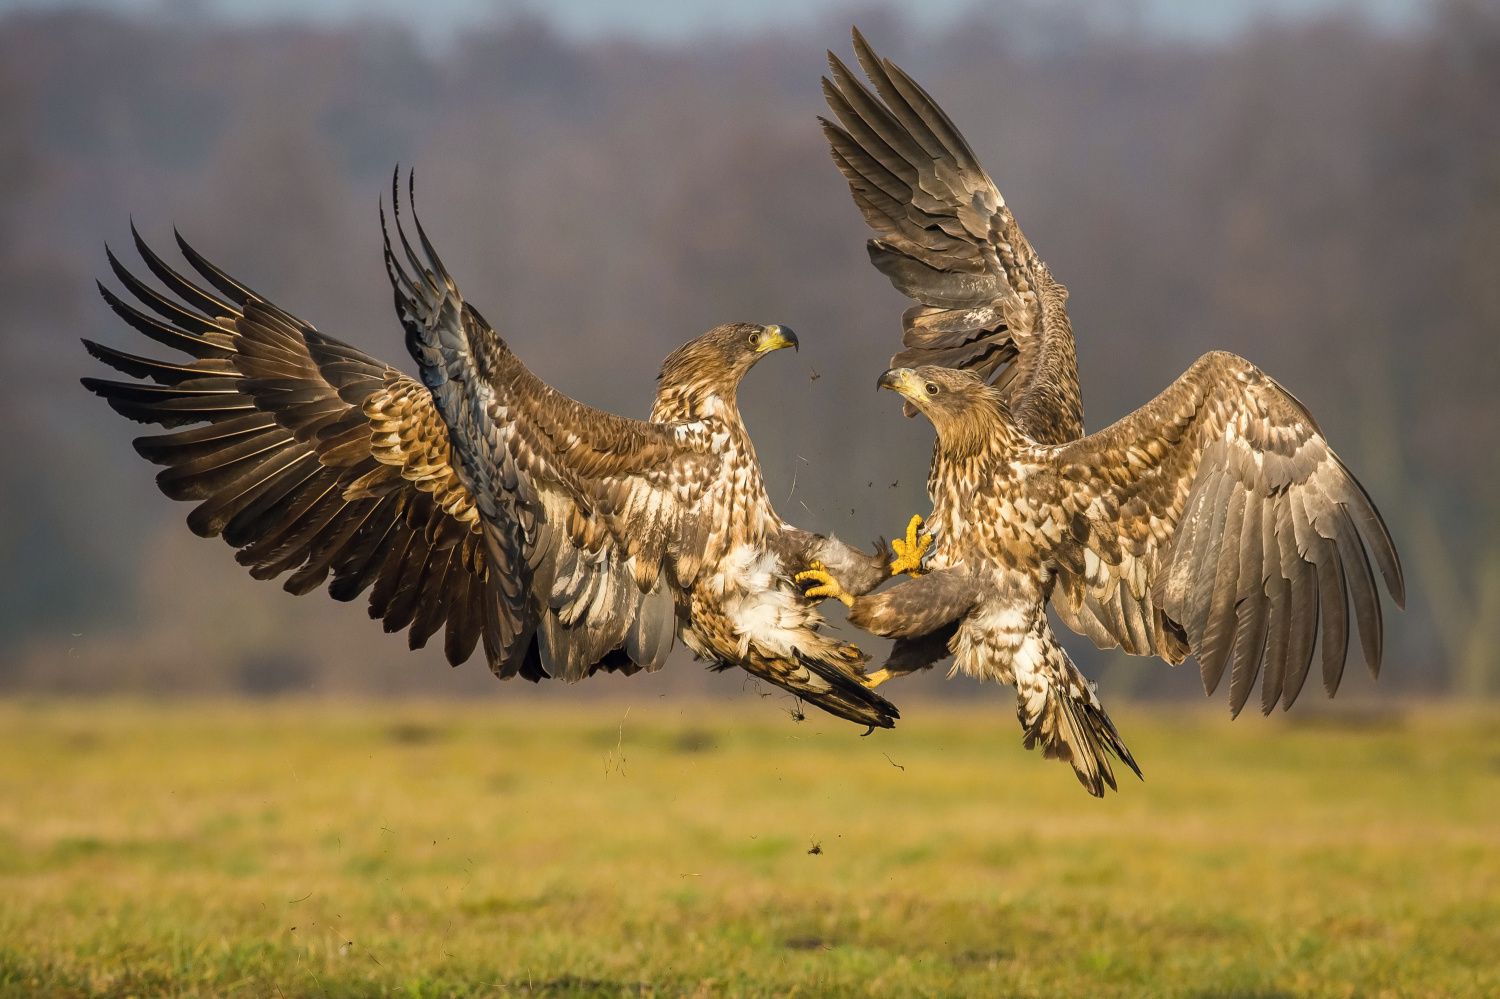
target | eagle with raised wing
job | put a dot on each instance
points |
(478, 500)
(1214, 521)
(948, 240)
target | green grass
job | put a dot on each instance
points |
(536, 850)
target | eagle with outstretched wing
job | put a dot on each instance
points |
(478, 500)
(948, 241)
(1214, 521)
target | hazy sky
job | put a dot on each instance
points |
(671, 20)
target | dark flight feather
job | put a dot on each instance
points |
(947, 240)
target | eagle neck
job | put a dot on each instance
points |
(972, 459)
(982, 431)
(694, 402)
(741, 507)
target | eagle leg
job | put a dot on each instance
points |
(912, 552)
(827, 585)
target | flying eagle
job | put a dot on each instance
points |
(1214, 521)
(479, 500)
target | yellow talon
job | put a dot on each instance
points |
(909, 553)
(875, 679)
(828, 586)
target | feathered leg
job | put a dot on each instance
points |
(1056, 704)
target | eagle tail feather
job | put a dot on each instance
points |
(1071, 725)
(840, 691)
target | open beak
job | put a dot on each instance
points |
(775, 337)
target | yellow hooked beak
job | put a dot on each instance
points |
(903, 381)
(775, 337)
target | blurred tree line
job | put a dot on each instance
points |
(1322, 198)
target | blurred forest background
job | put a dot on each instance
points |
(1322, 197)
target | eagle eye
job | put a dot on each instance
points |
(932, 388)
(754, 339)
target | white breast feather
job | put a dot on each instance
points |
(761, 604)
(989, 640)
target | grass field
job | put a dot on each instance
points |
(308, 849)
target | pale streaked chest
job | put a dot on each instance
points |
(987, 509)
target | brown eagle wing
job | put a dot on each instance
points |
(1216, 520)
(315, 459)
(309, 456)
(583, 507)
(949, 241)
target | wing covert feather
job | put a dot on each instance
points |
(1250, 530)
(632, 485)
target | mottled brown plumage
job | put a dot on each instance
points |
(479, 500)
(1214, 521)
(949, 241)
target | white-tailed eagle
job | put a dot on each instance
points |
(1214, 521)
(478, 500)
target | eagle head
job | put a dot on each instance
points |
(960, 405)
(713, 364)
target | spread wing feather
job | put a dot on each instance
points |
(586, 507)
(949, 241)
(1216, 520)
(478, 501)
(313, 459)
